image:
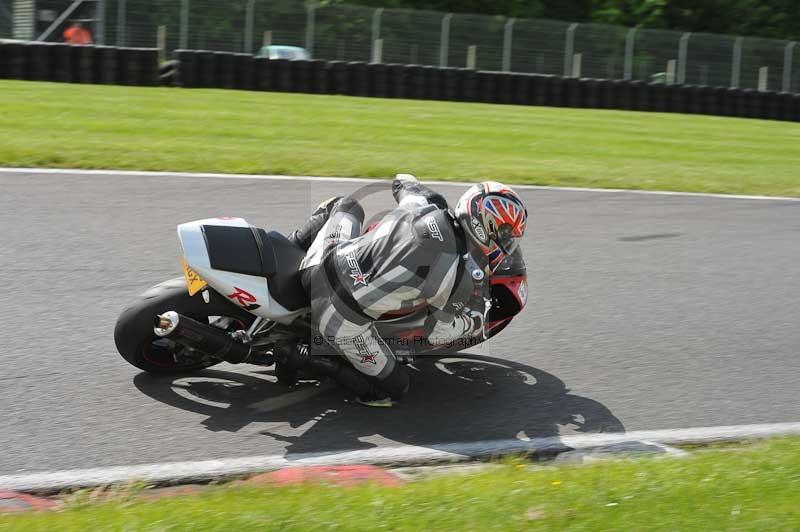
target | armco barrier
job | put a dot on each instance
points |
(199, 68)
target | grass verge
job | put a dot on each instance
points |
(86, 126)
(755, 487)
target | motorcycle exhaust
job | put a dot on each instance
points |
(200, 336)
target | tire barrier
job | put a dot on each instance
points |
(522, 90)
(187, 68)
(339, 79)
(138, 66)
(378, 73)
(61, 62)
(485, 87)
(397, 80)
(433, 83)
(14, 61)
(505, 84)
(572, 88)
(107, 65)
(226, 69)
(540, 91)
(359, 76)
(640, 93)
(38, 59)
(205, 69)
(265, 76)
(451, 84)
(83, 60)
(415, 83)
(318, 76)
(469, 91)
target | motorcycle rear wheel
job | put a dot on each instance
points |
(139, 345)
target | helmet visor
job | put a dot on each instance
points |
(505, 239)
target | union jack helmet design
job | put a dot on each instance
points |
(494, 218)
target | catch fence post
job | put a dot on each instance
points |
(736, 68)
(683, 53)
(569, 49)
(630, 41)
(577, 61)
(670, 76)
(121, 22)
(788, 55)
(310, 20)
(763, 77)
(377, 48)
(508, 36)
(248, 26)
(444, 40)
(184, 38)
(472, 56)
(161, 43)
(100, 26)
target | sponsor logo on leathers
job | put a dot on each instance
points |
(359, 278)
(363, 351)
(433, 228)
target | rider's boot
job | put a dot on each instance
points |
(387, 391)
(305, 236)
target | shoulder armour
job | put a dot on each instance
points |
(433, 228)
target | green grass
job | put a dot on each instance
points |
(80, 126)
(753, 488)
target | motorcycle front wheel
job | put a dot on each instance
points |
(139, 345)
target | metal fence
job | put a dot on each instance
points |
(356, 33)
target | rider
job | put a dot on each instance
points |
(419, 256)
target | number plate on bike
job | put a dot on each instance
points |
(194, 282)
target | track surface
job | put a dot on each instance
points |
(646, 312)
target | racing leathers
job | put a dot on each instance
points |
(415, 259)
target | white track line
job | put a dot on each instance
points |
(202, 175)
(404, 455)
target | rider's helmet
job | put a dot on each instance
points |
(494, 218)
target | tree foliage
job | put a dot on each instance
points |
(766, 18)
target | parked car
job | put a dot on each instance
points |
(275, 51)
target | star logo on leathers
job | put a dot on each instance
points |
(359, 279)
(368, 358)
(364, 352)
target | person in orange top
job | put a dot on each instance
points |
(77, 34)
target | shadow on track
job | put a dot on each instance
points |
(461, 398)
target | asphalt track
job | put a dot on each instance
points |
(646, 312)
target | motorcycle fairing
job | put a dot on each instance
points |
(224, 252)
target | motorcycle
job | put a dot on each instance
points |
(240, 299)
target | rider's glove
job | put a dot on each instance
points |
(474, 322)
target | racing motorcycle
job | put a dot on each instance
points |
(240, 299)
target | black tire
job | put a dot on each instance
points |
(138, 344)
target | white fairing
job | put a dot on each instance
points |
(248, 291)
